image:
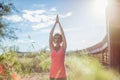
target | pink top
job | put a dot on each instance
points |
(57, 69)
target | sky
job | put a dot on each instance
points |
(83, 22)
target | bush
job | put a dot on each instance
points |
(9, 65)
(88, 68)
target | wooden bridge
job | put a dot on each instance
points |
(108, 50)
(100, 51)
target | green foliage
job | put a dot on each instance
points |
(10, 64)
(6, 8)
(25, 65)
(83, 67)
(78, 66)
(35, 62)
(45, 64)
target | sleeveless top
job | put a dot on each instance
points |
(57, 68)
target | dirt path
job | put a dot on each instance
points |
(36, 76)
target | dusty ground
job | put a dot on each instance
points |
(36, 76)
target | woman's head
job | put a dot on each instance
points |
(57, 38)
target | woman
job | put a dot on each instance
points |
(58, 48)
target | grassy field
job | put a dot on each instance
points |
(35, 66)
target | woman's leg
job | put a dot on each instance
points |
(61, 78)
(65, 79)
(52, 78)
(58, 78)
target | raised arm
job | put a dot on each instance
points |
(63, 35)
(51, 37)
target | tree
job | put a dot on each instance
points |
(6, 32)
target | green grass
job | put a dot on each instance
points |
(88, 68)
(78, 67)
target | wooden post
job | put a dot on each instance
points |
(103, 57)
(113, 27)
(106, 57)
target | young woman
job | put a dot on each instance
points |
(58, 48)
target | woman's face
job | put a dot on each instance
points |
(57, 39)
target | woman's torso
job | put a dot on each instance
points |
(57, 69)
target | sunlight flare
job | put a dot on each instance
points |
(99, 7)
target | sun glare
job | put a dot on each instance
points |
(99, 7)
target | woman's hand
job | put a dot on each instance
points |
(57, 19)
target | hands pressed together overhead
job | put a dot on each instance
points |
(51, 39)
(57, 19)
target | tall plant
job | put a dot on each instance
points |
(9, 66)
(6, 8)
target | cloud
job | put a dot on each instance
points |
(42, 25)
(37, 19)
(34, 16)
(38, 5)
(25, 41)
(66, 15)
(46, 20)
(53, 9)
(45, 30)
(34, 11)
(13, 18)
(57, 30)
(69, 14)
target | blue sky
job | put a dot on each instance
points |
(82, 20)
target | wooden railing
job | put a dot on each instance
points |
(99, 51)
